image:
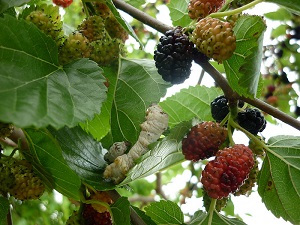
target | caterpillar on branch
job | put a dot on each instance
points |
(156, 122)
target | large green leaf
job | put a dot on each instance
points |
(84, 155)
(165, 212)
(4, 209)
(164, 154)
(5, 4)
(99, 126)
(138, 86)
(293, 5)
(47, 152)
(179, 12)
(193, 102)
(281, 14)
(243, 67)
(34, 89)
(201, 218)
(121, 211)
(279, 179)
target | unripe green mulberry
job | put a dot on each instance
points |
(214, 38)
(76, 46)
(105, 51)
(49, 25)
(27, 184)
(102, 10)
(7, 179)
(115, 29)
(246, 188)
(93, 28)
(220, 203)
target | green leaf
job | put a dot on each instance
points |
(193, 102)
(179, 12)
(136, 3)
(35, 91)
(143, 215)
(281, 14)
(165, 154)
(4, 209)
(138, 86)
(292, 5)
(278, 31)
(45, 149)
(99, 126)
(84, 155)
(165, 212)
(5, 4)
(121, 211)
(201, 218)
(279, 178)
(243, 67)
(123, 22)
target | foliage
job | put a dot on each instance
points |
(68, 116)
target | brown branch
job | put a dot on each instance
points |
(8, 142)
(141, 16)
(18, 135)
(158, 188)
(215, 74)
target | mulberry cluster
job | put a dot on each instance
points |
(174, 56)
(199, 9)
(228, 171)
(19, 179)
(48, 20)
(214, 38)
(203, 141)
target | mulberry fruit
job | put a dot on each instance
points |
(214, 38)
(228, 171)
(199, 9)
(102, 10)
(27, 184)
(105, 51)
(203, 140)
(93, 28)
(246, 188)
(174, 56)
(92, 217)
(7, 179)
(252, 120)
(63, 3)
(115, 30)
(219, 108)
(76, 46)
(101, 196)
(48, 24)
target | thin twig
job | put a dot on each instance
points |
(215, 74)
(8, 142)
(141, 16)
(158, 189)
(201, 77)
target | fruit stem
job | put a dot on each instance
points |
(235, 11)
(230, 131)
(249, 135)
(211, 210)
